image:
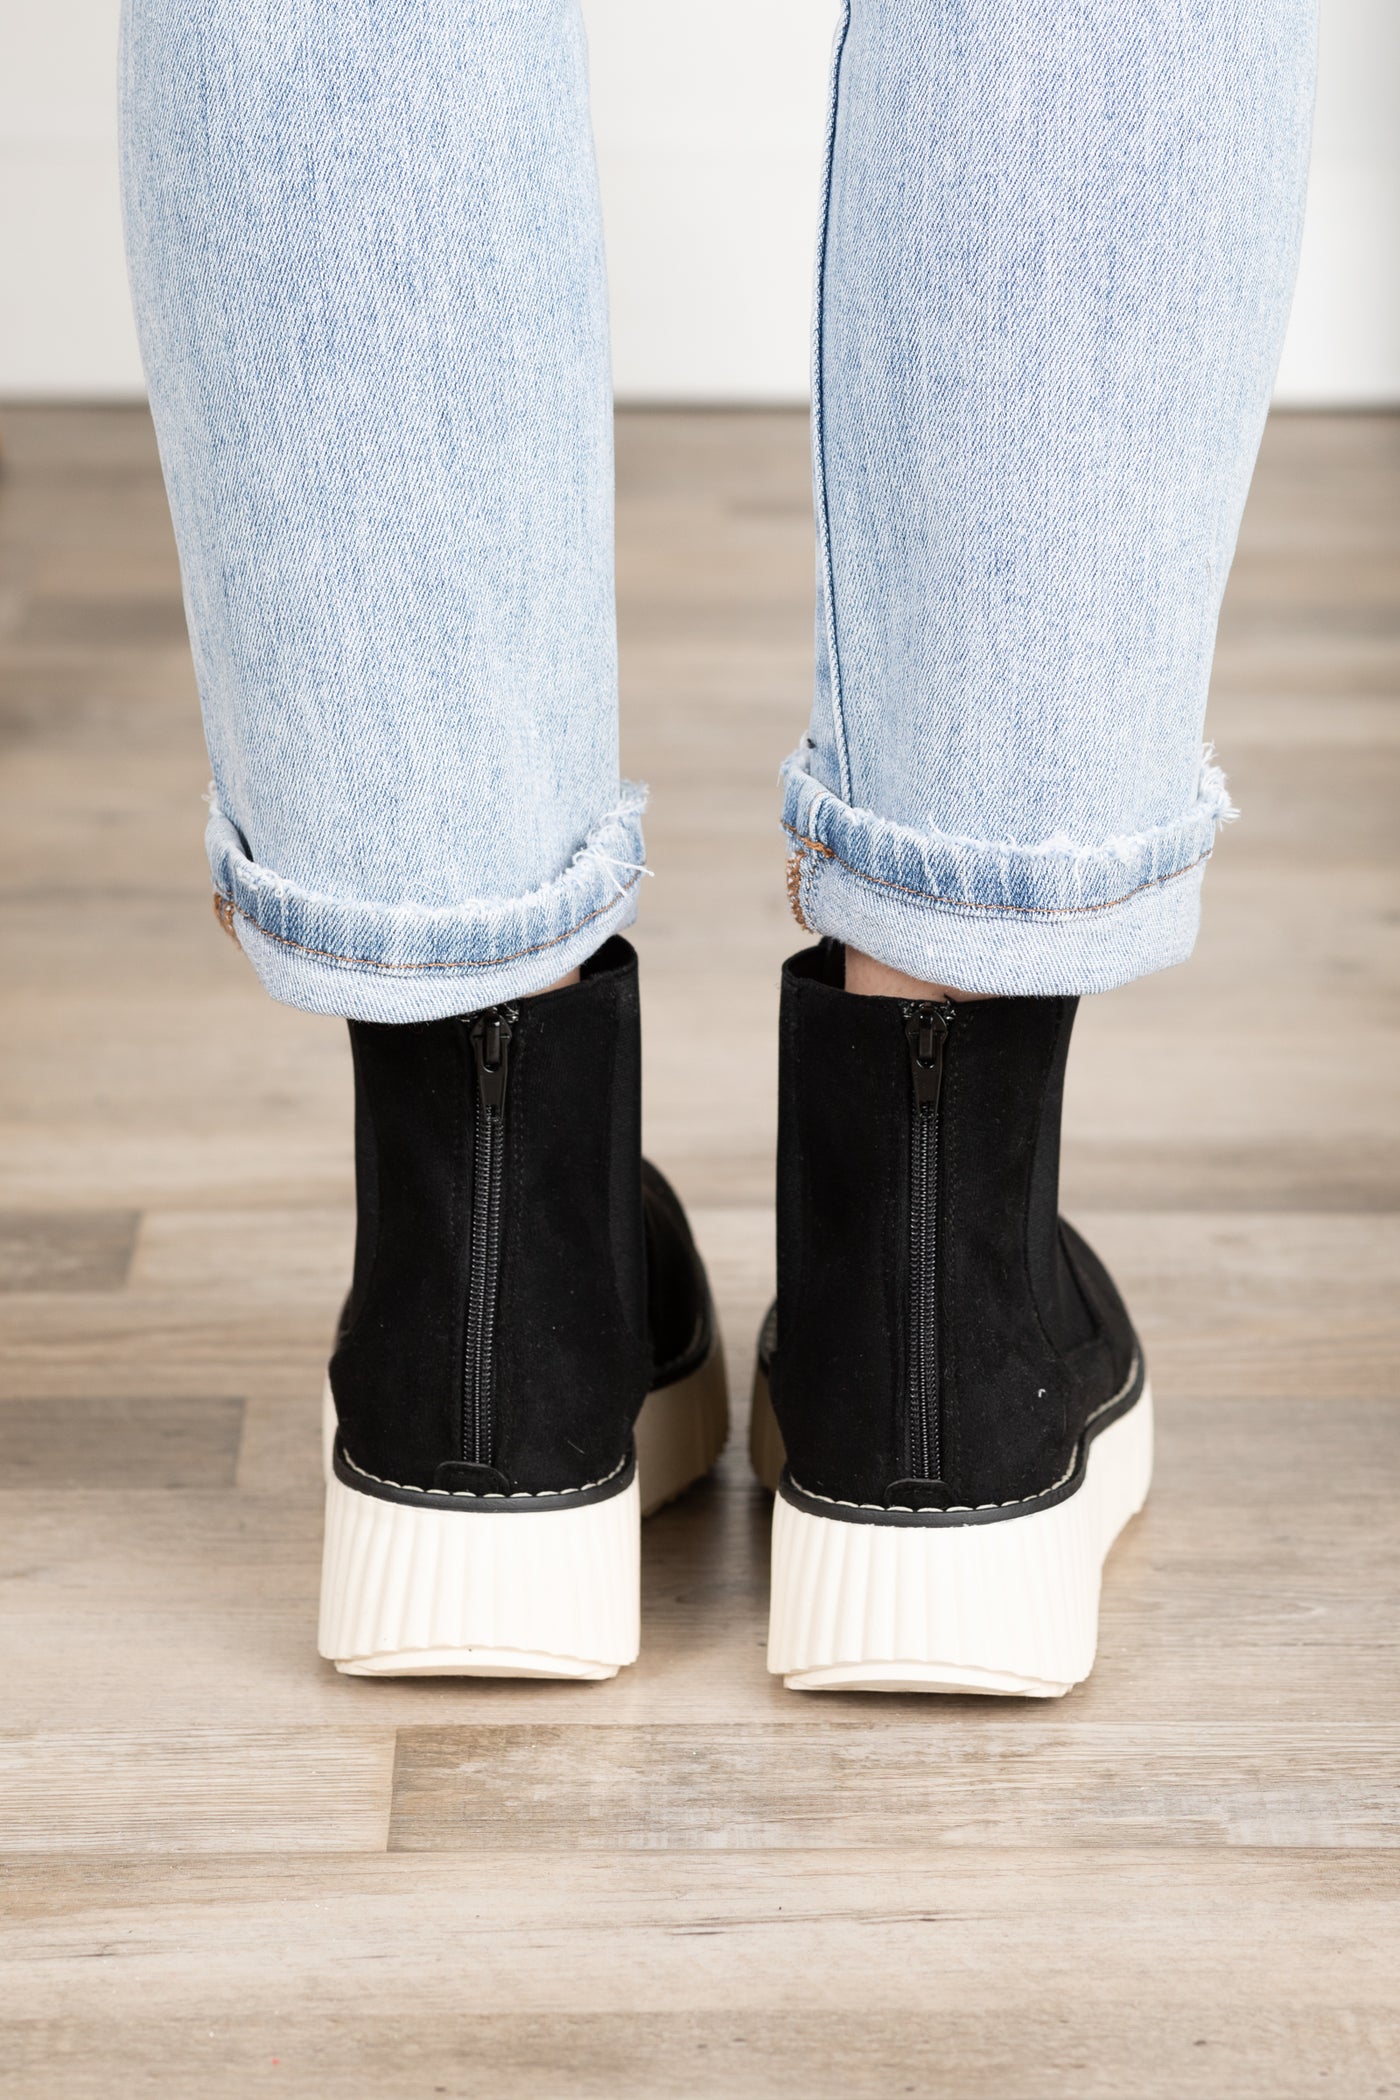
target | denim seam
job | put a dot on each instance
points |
(224, 904)
(838, 719)
(1000, 911)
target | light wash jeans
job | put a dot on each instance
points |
(1057, 247)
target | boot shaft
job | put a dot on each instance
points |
(495, 1336)
(941, 1338)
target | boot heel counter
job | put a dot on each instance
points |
(393, 1370)
(838, 1366)
(571, 1369)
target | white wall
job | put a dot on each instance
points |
(1343, 344)
(64, 323)
(709, 117)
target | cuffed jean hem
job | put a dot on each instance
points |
(407, 962)
(988, 916)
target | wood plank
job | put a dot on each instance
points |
(106, 1443)
(103, 620)
(66, 1250)
(746, 1929)
(221, 1790)
(959, 1778)
(978, 1973)
(300, 1255)
(1030, 2045)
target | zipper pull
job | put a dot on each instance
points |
(926, 1032)
(491, 1040)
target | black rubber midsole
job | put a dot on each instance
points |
(483, 1505)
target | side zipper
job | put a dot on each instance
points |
(926, 1032)
(492, 1033)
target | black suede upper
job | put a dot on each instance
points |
(1032, 1336)
(680, 1319)
(573, 1353)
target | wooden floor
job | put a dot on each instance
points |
(230, 1871)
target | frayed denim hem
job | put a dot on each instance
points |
(990, 916)
(409, 962)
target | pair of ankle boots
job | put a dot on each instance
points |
(950, 1401)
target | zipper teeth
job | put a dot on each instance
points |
(488, 1155)
(473, 1397)
(918, 1260)
(491, 1265)
(925, 1400)
(928, 1344)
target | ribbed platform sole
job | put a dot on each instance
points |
(1009, 1607)
(420, 1592)
(409, 1590)
(681, 1431)
(766, 1453)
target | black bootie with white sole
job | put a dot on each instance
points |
(528, 1359)
(950, 1399)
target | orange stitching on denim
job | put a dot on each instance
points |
(366, 962)
(794, 887)
(1050, 911)
(795, 860)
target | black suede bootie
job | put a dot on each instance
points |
(528, 1356)
(960, 1423)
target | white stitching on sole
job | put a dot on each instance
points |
(1024, 1501)
(466, 1495)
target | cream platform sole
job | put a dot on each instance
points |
(514, 1589)
(1007, 1607)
